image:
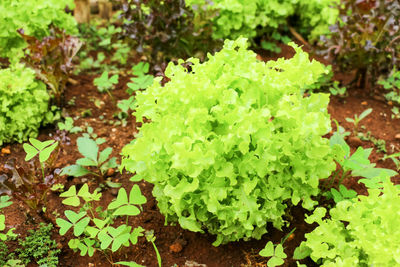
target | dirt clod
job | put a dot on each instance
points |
(354, 141)
(6, 150)
(110, 172)
(175, 247)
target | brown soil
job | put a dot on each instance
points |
(178, 246)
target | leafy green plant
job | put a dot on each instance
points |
(68, 126)
(358, 232)
(242, 141)
(94, 228)
(39, 246)
(364, 39)
(234, 18)
(357, 120)
(24, 104)
(34, 17)
(92, 158)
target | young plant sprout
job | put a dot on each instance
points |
(357, 119)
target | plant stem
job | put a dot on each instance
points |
(157, 253)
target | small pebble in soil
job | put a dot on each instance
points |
(6, 150)
(114, 191)
(176, 247)
(194, 264)
(397, 136)
(110, 172)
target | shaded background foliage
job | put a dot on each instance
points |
(365, 39)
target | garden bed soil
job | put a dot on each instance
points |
(178, 246)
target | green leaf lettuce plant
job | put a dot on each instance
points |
(232, 143)
(34, 17)
(95, 228)
(358, 232)
(233, 18)
(24, 104)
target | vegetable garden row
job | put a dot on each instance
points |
(200, 133)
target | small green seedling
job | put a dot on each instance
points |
(143, 80)
(395, 158)
(336, 90)
(91, 134)
(121, 52)
(140, 69)
(380, 144)
(275, 252)
(5, 202)
(44, 149)
(95, 229)
(151, 238)
(271, 46)
(92, 158)
(357, 164)
(357, 119)
(105, 83)
(68, 126)
(342, 194)
(125, 105)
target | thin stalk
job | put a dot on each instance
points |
(343, 176)
(332, 181)
(41, 166)
(157, 253)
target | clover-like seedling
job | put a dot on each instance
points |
(140, 69)
(92, 158)
(143, 80)
(275, 252)
(68, 126)
(95, 229)
(342, 194)
(43, 149)
(4, 202)
(104, 83)
(74, 220)
(140, 82)
(35, 147)
(125, 207)
(357, 119)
